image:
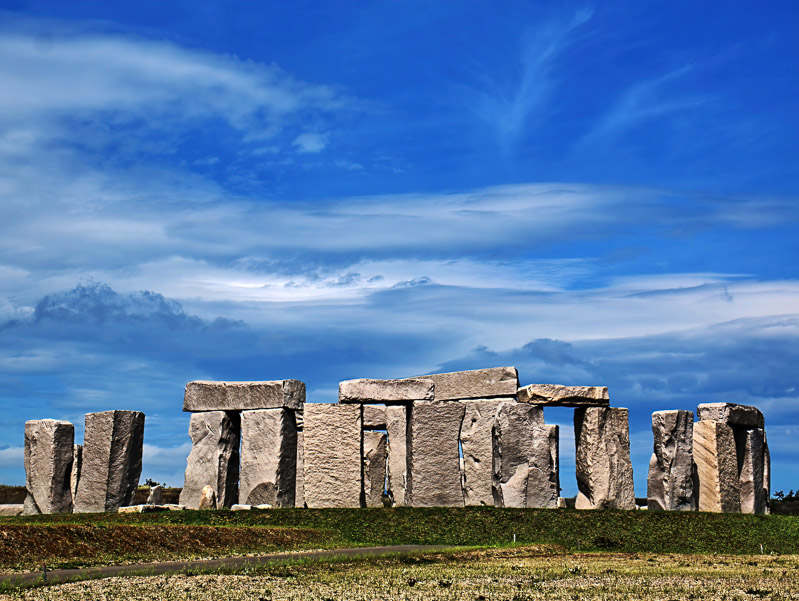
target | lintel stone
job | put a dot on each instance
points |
(385, 391)
(204, 395)
(475, 384)
(556, 395)
(732, 414)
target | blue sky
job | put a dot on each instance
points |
(598, 193)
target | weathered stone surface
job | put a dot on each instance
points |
(556, 395)
(207, 498)
(562, 503)
(603, 468)
(12, 509)
(48, 466)
(553, 436)
(476, 384)
(397, 470)
(374, 417)
(670, 483)
(77, 462)
(240, 507)
(299, 487)
(766, 473)
(717, 467)
(521, 458)
(148, 508)
(434, 475)
(242, 396)
(751, 472)
(156, 495)
(268, 457)
(214, 458)
(374, 467)
(112, 450)
(732, 414)
(476, 444)
(333, 444)
(385, 391)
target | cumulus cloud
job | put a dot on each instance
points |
(310, 143)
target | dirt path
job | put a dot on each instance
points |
(165, 567)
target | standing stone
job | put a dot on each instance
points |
(268, 457)
(112, 451)
(434, 475)
(374, 417)
(521, 458)
(397, 471)
(374, 467)
(553, 436)
(670, 484)
(77, 462)
(476, 384)
(716, 467)
(207, 498)
(766, 473)
(333, 445)
(242, 396)
(476, 444)
(603, 468)
(48, 466)
(156, 495)
(751, 472)
(556, 395)
(299, 488)
(214, 458)
(385, 391)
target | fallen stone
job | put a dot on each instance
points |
(385, 391)
(207, 498)
(374, 417)
(752, 470)
(374, 467)
(603, 468)
(333, 444)
(263, 506)
(240, 507)
(476, 444)
(717, 467)
(396, 469)
(670, 483)
(521, 458)
(112, 452)
(48, 466)
(732, 414)
(214, 458)
(553, 436)
(11, 509)
(268, 457)
(299, 487)
(155, 496)
(77, 462)
(143, 508)
(555, 395)
(434, 476)
(475, 384)
(243, 396)
(174, 507)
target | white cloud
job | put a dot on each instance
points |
(310, 143)
(12, 457)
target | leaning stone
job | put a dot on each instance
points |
(385, 391)
(333, 444)
(299, 487)
(374, 467)
(12, 509)
(77, 462)
(732, 414)
(434, 477)
(476, 384)
(243, 396)
(374, 417)
(670, 483)
(268, 457)
(397, 470)
(48, 466)
(717, 467)
(751, 472)
(555, 395)
(155, 496)
(112, 452)
(207, 498)
(240, 507)
(214, 458)
(553, 436)
(476, 445)
(603, 468)
(521, 458)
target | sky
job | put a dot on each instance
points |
(598, 193)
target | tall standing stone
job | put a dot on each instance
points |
(112, 452)
(48, 466)
(553, 436)
(752, 471)
(333, 446)
(716, 467)
(214, 458)
(77, 462)
(521, 458)
(268, 457)
(434, 475)
(603, 468)
(476, 444)
(397, 470)
(374, 467)
(670, 483)
(766, 473)
(299, 488)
